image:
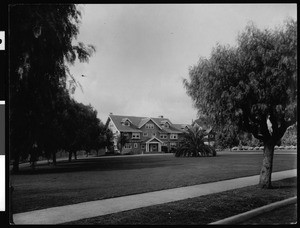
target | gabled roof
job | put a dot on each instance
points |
(146, 120)
(182, 127)
(203, 123)
(124, 120)
(154, 138)
(138, 122)
(117, 120)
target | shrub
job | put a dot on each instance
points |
(192, 144)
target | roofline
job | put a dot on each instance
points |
(113, 123)
(153, 137)
(149, 118)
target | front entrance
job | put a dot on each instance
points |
(153, 147)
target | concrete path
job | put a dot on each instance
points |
(56, 215)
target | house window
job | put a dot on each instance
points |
(173, 144)
(145, 134)
(143, 146)
(136, 136)
(166, 125)
(150, 126)
(153, 134)
(127, 146)
(127, 123)
(163, 136)
(173, 136)
(135, 145)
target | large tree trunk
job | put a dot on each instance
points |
(266, 170)
(16, 164)
(54, 158)
(70, 156)
(75, 155)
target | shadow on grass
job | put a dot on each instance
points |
(93, 165)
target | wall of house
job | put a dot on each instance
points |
(149, 131)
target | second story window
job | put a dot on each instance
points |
(136, 136)
(163, 136)
(153, 134)
(127, 146)
(145, 134)
(173, 136)
(149, 126)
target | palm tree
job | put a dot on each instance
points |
(192, 144)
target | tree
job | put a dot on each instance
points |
(38, 68)
(290, 136)
(251, 85)
(121, 141)
(192, 144)
(227, 137)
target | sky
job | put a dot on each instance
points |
(144, 51)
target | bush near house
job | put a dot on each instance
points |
(192, 144)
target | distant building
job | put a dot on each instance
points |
(209, 139)
(145, 134)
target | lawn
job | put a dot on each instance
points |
(206, 209)
(99, 178)
(284, 215)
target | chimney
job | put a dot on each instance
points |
(110, 113)
(160, 116)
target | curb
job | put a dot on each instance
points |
(249, 214)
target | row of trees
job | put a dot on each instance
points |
(41, 111)
(251, 86)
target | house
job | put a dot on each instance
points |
(209, 139)
(145, 134)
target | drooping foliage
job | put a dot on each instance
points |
(247, 84)
(42, 44)
(252, 85)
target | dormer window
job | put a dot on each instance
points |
(166, 125)
(149, 126)
(136, 135)
(125, 122)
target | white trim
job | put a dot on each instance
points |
(125, 118)
(136, 133)
(159, 141)
(113, 123)
(174, 134)
(2, 102)
(163, 134)
(152, 121)
(129, 146)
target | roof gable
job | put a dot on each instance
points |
(154, 139)
(146, 120)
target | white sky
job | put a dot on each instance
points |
(144, 52)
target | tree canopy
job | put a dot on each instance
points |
(252, 85)
(247, 84)
(39, 101)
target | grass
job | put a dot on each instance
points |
(94, 179)
(200, 210)
(281, 216)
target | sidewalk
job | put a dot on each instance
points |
(68, 213)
